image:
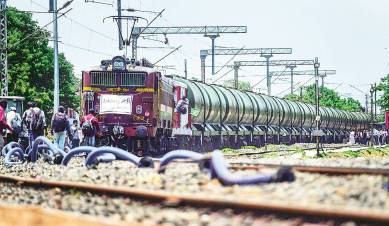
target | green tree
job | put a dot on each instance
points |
(30, 64)
(383, 86)
(328, 98)
(242, 85)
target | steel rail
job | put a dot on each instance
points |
(289, 150)
(197, 200)
(312, 169)
(302, 168)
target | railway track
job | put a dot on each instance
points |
(173, 199)
(312, 169)
(324, 148)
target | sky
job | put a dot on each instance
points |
(349, 36)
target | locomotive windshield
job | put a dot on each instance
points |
(113, 79)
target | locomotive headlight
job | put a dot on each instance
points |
(147, 113)
(138, 109)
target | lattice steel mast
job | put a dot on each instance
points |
(291, 64)
(3, 48)
(322, 75)
(208, 31)
(263, 52)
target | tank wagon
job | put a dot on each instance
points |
(142, 110)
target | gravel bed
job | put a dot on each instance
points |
(293, 147)
(118, 208)
(346, 192)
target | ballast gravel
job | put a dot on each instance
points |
(124, 209)
(357, 192)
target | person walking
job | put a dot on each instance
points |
(376, 135)
(59, 127)
(75, 141)
(35, 120)
(90, 127)
(3, 122)
(15, 121)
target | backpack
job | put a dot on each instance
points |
(35, 120)
(87, 128)
(59, 122)
(16, 124)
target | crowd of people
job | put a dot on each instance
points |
(67, 131)
(377, 137)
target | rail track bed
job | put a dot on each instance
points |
(358, 162)
(128, 205)
(351, 194)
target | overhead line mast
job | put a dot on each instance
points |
(291, 64)
(3, 48)
(119, 21)
(208, 31)
(263, 52)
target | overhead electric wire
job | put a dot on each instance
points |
(258, 82)
(167, 54)
(223, 75)
(278, 75)
(84, 49)
(78, 23)
(296, 84)
(338, 86)
(228, 61)
(31, 34)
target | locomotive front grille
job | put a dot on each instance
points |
(109, 78)
(132, 79)
(103, 79)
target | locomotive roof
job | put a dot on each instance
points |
(129, 68)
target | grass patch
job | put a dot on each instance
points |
(364, 153)
(228, 151)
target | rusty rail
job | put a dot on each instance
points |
(313, 169)
(289, 150)
(180, 199)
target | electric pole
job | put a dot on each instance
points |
(119, 21)
(375, 101)
(213, 37)
(371, 115)
(236, 82)
(291, 67)
(3, 48)
(186, 68)
(318, 134)
(56, 64)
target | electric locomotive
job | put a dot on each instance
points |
(131, 101)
